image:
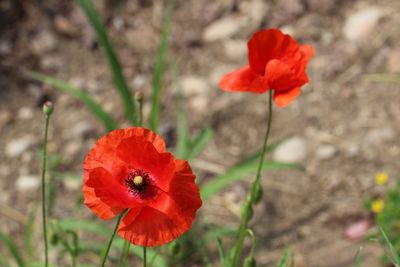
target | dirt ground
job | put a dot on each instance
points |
(343, 129)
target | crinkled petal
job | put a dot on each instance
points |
(101, 209)
(244, 80)
(283, 99)
(280, 76)
(269, 44)
(137, 153)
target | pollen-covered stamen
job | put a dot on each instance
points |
(140, 184)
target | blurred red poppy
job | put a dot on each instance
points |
(276, 62)
(130, 169)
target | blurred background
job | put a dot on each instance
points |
(343, 129)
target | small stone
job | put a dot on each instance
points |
(139, 81)
(25, 113)
(293, 150)
(380, 135)
(71, 150)
(393, 61)
(236, 49)
(6, 118)
(326, 152)
(5, 48)
(27, 182)
(362, 23)
(16, 147)
(193, 85)
(65, 27)
(43, 43)
(82, 129)
(72, 184)
(218, 72)
(222, 29)
(255, 11)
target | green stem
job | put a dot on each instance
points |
(103, 262)
(144, 256)
(246, 216)
(125, 253)
(44, 160)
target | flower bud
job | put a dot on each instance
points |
(259, 193)
(247, 210)
(48, 108)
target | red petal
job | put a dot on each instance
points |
(140, 154)
(283, 99)
(269, 44)
(244, 80)
(108, 189)
(101, 209)
(280, 77)
(149, 227)
(171, 214)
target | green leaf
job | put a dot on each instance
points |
(285, 259)
(159, 70)
(12, 248)
(199, 143)
(182, 130)
(239, 172)
(28, 236)
(383, 77)
(393, 251)
(108, 122)
(112, 57)
(221, 250)
(358, 257)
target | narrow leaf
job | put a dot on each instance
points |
(393, 251)
(112, 57)
(95, 108)
(285, 259)
(199, 143)
(159, 70)
(13, 249)
(239, 172)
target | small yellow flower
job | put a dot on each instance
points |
(381, 178)
(377, 206)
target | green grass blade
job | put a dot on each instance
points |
(159, 69)
(199, 143)
(383, 77)
(239, 172)
(108, 122)
(221, 251)
(113, 61)
(285, 259)
(28, 235)
(182, 131)
(12, 248)
(358, 257)
(393, 251)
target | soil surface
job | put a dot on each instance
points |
(343, 129)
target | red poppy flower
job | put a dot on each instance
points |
(130, 169)
(276, 62)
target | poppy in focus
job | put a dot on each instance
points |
(130, 169)
(276, 62)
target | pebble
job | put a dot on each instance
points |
(293, 150)
(255, 11)
(326, 152)
(379, 135)
(236, 49)
(65, 27)
(218, 72)
(393, 61)
(5, 48)
(27, 182)
(43, 43)
(17, 146)
(72, 183)
(6, 118)
(25, 113)
(222, 29)
(82, 129)
(361, 24)
(194, 85)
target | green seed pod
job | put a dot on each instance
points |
(247, 210)
(259, 194)
(48, 108)
(249, 262)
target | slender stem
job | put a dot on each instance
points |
(251, 198)
(144, 257)
(103, 262)
(44, 160)
(125, 253)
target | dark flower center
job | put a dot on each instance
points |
(140, 184)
